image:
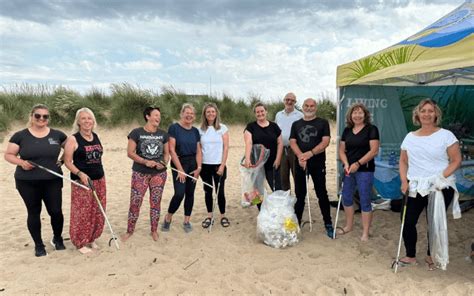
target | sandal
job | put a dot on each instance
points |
(206, 223)
(430, 264)
(403, 263)
(225, 222)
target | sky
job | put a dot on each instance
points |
(240, 48)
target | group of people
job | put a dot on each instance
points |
(296, 140)
(36, 150)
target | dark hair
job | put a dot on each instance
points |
(148, 111)
(355, 106)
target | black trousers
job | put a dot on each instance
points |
(317, 171)
(33, 193)
(415, 207)
(184, 190)
(210, 176)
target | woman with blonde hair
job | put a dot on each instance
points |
(83, 157)
(186, 158)
(429, 157)
(357, 149)
(40, 144)
(215, 149)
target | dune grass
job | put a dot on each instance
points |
(125, 103)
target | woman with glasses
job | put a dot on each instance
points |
(148, 148)
(41, 145)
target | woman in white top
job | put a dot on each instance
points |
(429, 156)
(215, 148)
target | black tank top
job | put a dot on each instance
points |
(88, 157)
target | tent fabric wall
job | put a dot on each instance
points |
(437, 62)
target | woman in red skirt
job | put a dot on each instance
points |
(83, 157)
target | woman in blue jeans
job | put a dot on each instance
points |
(357, 149)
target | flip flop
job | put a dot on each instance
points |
(225, 222)
(341, 232)
(404, 263)
(430, 264)
(206, 223)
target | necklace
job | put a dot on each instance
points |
(88, 136)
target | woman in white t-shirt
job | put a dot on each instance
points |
(428, 156)
(215, 148)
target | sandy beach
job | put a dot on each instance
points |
(227, 260)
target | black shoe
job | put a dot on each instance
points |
(40, 251)
(58, 244)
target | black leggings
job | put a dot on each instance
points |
(210, 176)
(318, 174)
(184, 190)
(48, 191)
(415, 207)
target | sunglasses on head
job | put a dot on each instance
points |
(38, 116)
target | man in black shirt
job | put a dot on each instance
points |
(308, 139)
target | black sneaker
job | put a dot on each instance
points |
(58, 243)
(40, 251)
(329, 230)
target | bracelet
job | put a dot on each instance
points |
(78, 173)
(359, 163)
(312, 153)
(199, 168)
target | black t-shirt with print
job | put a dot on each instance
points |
(357, 145)
(150, 146)
(268, 137)
(308, 134)
(43, 151)
(88, 157)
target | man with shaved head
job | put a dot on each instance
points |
(285, 119)
(309, 138)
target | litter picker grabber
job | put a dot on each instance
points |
(308, 200)
(58, 175)
(214, 201)
(397, 261)
(187, 175)
(114, 237)
(338, 209)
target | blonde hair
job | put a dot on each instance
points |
(416, 112)
(187, 106)
(75, 125)
(33, 109)
(217, 122)
(259, 104)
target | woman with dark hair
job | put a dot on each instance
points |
(83, 157)
(186, 158)
(265, 132)
(429, 157)
(148, 148)
(215, 149)
(358, 146)
(42, 145)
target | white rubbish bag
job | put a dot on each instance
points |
(438, 230)
(277, 225)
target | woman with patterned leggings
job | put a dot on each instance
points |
(148, 148)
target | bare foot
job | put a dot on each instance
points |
(126, 236)
(364, 237)
(85, 250)
(93, 246)
(154, 235)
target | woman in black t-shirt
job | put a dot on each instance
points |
(267, 133)
(40, 144)
(357, 149)
(148, 148)
(83, 157)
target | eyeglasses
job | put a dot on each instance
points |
(44, 116)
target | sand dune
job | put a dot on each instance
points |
(225, 261)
